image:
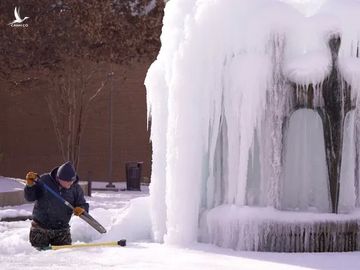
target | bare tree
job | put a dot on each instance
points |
(69, 100)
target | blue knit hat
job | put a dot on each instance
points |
(66, 172)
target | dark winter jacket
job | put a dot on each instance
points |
(49, 212)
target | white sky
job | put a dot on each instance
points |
(307, 7)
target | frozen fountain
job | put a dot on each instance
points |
(255, 125)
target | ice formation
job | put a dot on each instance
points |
(238, 101)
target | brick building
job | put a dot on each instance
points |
(28, 141)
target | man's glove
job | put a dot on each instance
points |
(30, 178)
(78, 211)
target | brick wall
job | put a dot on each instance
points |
(27, 140)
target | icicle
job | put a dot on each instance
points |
(224, 124)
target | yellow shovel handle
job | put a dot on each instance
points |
(106, 244)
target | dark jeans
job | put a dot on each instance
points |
(40, 237)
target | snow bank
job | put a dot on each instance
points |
(132, 224)
(10, 184)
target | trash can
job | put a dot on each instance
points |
(133, 175)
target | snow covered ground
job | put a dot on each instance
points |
(125, 214)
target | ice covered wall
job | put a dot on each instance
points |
(218, 94)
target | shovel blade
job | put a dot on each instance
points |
(92, 222)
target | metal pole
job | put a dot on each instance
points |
(110, 184)
(121, 243)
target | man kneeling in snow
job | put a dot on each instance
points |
(50, 225)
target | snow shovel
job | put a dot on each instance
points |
(84, 216)
(121, 243)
